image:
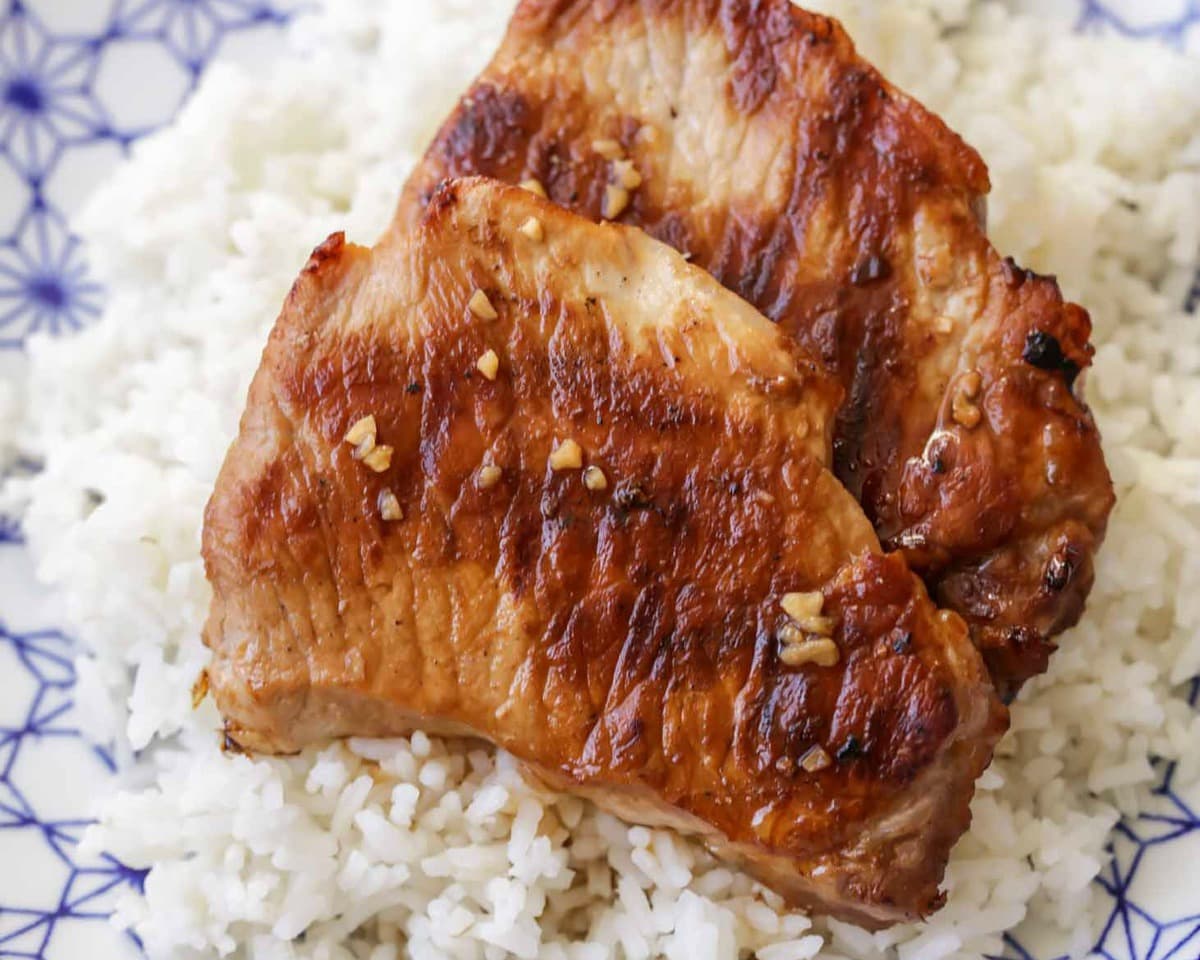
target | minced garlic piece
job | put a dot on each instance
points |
(379, 459)
(361, 431)
(626, 175)
(488, 364)
(801, 605)
(481, 306)
(389, 506)
(594, 479)
(797, 652)
(805, 610)
(616, 199)
(815, 760)
(534, 186)
(568, 455)
(609, 149)
(790, 634)
(488, 476)
(532, 229)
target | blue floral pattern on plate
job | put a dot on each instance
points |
(68, 109)
(34, 824)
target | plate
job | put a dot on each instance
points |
(80, 81)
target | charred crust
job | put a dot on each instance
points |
(1023, 653)
(328, 252)
(1058, 572)
(631, 495)
(1042, 350)
(484, 134)
(851, 749)
(822, 30)
(902, 642)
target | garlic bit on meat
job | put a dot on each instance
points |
(616, 199)
(805, 610)
(488, 364)
(488, 476)
(380, 458)
(625, 174)
(808, 637)
(796, 653)
(594, 479)
(532, 229)
(481, 306)
(568, 455)
(361, 436)
(389, 506)
(608, 149)
(815, 760)
(623, 178)
(535, 187)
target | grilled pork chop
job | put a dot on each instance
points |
(590, 520)
(751, 136)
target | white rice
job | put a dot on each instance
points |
(437, 849)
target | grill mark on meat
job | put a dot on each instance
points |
(619, 394)
(755, 72)
(489, 131)
(622, 644)
(788, 168)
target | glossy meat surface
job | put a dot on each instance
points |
(752, 137)
(621, 639)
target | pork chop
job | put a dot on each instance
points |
(537, 480)
(750, 135)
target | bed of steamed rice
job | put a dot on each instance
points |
(373, 849)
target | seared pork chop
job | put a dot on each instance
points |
(537, 480)
(752, 137)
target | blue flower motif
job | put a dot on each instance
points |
(1151, 929)
(1014, 951)
(46, 102)
(48, 107)
(190, 29)
(44, 283)
(10, 531)
(86, 888)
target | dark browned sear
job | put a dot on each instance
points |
(529, 478)
(750, 135)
